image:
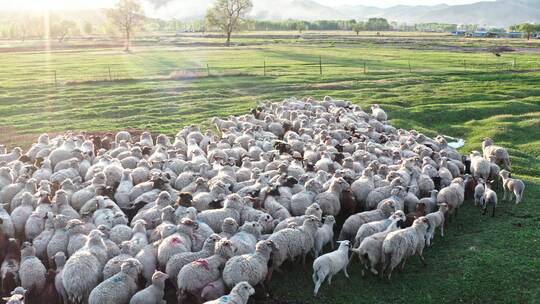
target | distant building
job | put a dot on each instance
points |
(514, 34)
(459, 33)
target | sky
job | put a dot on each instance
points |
(91, 4)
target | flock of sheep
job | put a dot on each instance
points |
(117, 219)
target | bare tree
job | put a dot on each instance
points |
(127, 17)
(228, 15)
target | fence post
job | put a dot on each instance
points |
(55, 78)
(110, 76)
(264, 68)
(465, 65)
(320, 65)
(208, 69)
(514, 64)
(410, 70)
(365, 70)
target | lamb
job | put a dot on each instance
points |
(430, 202)
(154, 293)
(355, 221)
(13, 155)
(489, 199)
(501, 155)
(119, 288)
(371, 228)
(479, 192)
(303, 199)
(436, 219)
(324, 235)
(32, 271)
(197, 274)
(60, 239)
(246, 238)
(399, 245)
(512, 185)
(177, 261)
(328, 265)
(239, 295)
(83, 270)
(232, 207)
(378, 113)
(370, 249)
(480, 167)
(228, 228)
(251, 267)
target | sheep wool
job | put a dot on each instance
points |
(154, 293)
(31, 271)
(119, 288)
(402, 244)
(324, 235)
(239, 295)
(197, 274)
(355, 221)
(177, 261)
(252, 267)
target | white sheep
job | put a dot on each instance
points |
(177, 261)
(453, 196)
(324, 235)
(399, 245)
(83, 270)
(251, 267)
(430, 202)
(246, 238)
(314, 209)
(213, 218)
(154, 293)
(370, 248)
(501, 155)
(512, 185)
(197, 274)
(178, 242)
(32, 271)
(480, 167)
(60, 262)
(489, 199)
(119, 288)
(328, 265)
(479, 192)
(355, 221)
(294, 242)
(436, 219)
(330, 199)
(21, 214)
(371, 228)
(239, 295)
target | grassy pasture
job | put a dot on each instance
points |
(480, 260)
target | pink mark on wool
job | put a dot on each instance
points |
(176, 240)
(203, 263)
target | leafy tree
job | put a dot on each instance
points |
(377, 24)
(228, 15)
(127, 17)
(358, 27)
(88, 28)
(64, 28)
(528, 29)
(301, 26)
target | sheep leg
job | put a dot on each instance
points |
(422, 258)
(345, 272)
(330, 279)
(317, 286)
(442, 230)
(402, 265)
(504, 193)
(493, 211)
(332, 244)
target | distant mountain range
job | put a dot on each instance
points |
(490, 13)
(493, 13)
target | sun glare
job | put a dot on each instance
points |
(43, 5)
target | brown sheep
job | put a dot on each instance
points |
(419, 212)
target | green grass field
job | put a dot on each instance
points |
(453, 87)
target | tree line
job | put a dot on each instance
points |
(226, 16)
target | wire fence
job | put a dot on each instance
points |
(319, 67)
